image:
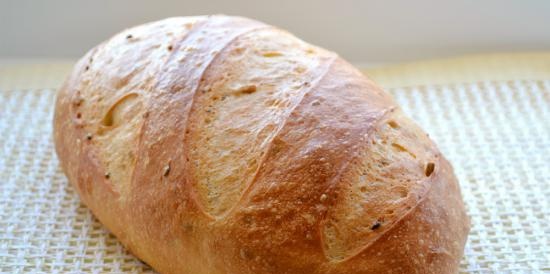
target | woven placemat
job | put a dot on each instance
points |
(496, 134)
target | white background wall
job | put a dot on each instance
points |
(361, 31)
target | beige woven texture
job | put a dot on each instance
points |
(495, 133)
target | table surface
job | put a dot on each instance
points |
(489, 114)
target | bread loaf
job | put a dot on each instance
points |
(223, 145)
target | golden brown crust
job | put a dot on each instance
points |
(222, 145)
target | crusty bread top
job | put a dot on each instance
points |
(237, 147)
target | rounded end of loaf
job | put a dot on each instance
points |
(223, 145)
(428, 239)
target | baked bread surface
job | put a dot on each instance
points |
(218, 144)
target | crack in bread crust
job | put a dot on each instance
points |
(275, 135)
(219, 52)
(382, 183)
(272, 118)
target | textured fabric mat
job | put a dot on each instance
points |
(496, 134)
